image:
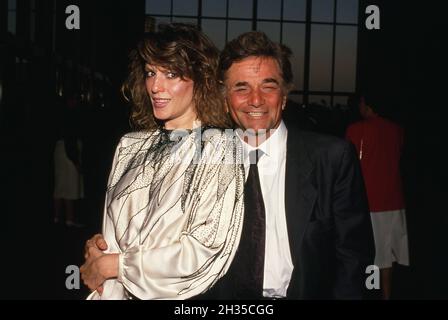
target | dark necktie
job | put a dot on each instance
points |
(248, 268)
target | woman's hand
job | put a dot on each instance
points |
(97, 241)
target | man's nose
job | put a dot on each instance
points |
(256, 98)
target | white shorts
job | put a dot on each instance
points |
(391, 238)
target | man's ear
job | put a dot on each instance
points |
(285, 99)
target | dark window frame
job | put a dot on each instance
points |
(305, 92)
(9, 10)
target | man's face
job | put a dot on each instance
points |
(363, 108)
(255, 95)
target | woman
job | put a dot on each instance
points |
(174, 198)
(68, 179)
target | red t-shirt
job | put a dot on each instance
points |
(379, 143)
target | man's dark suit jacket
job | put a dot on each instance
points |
(328, 220)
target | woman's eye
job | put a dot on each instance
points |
(171, 75)
(150, 74)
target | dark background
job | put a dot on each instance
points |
(404, 60)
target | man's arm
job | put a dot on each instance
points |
(92, 248)
(355, 248)
(98, 268)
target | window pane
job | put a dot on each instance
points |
(162, 20)
(340, 102)
(12, 4)
(185, 7)
(214, 8)
(296, 99)
(272, 29)
(33, 26)
(294, 38)
(345, 58)
(186, 20)
(12, 22)
(347, 11)
(150, 23)
(294, 10)
(323, 101)
(216, 31)
(320, 57)
(237, 27)
(269, 9)
(322, 10)
(158, 7)
(240, 9)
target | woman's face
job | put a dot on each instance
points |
(171, 97)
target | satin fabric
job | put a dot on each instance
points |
(174, 207)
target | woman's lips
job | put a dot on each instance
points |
(160, 102)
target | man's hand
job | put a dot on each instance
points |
(98, 268)
(91, 248)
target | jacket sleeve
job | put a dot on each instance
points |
(354, 242)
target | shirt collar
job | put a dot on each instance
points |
(272, 147)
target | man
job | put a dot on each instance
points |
(318, 236)
(379, 143)
(311, 236)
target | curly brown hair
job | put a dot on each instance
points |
(185, 50)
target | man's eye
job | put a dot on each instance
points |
(241, 89)
(269, 88)
(171, 75)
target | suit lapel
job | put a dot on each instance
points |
(300, 194)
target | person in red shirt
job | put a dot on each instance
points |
(379, 144)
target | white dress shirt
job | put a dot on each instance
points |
(278, 265)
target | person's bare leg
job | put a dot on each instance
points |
(386, 282)
(57, 209)
(69, 211)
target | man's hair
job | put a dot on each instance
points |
(183, 49)
(256, 44)
(372, 99)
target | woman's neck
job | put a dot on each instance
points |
(182, 125)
